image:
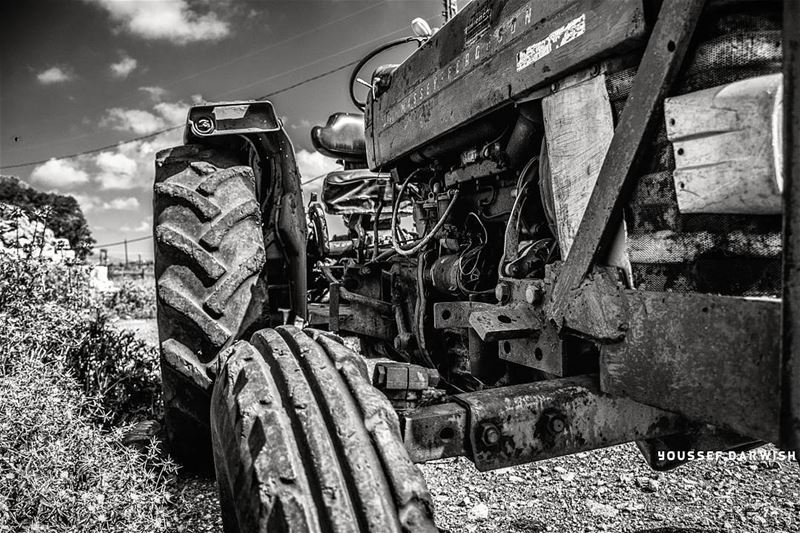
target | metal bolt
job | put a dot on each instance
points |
(490, 435)
(533, 294)
(502, 292)
(556, 424)
(204, 125)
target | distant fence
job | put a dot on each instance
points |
(132, 270)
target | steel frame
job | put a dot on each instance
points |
(790, 331)
(532, 422)
(698, 360)
(658, 341)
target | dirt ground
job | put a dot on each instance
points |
(604, 490)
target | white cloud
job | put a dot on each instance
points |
(116, 170)
(174, 21)
(93, 203)
(122, 204)
(143, 226)
(59, 174)
(142, 122)
(130, 165)
(156, 93)
(123, 67)
(137, 121)
(54, 75)
(172, 113)
(87, 202)
(313, 164)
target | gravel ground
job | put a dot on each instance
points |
(604, 490)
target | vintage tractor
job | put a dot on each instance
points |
(569, 224)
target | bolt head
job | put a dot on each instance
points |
(490, 435)
(502, 292)
(204, 125)
(533, 294)
(557, 424)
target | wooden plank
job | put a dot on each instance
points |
(790, 347)
(578, 126)
(488, 55)
(660, 64)
(727, 143)
(714, 359)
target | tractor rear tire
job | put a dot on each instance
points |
(304, 443)
(209, 257)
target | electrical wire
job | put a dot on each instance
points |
(93, 150)
(316, 61)
(146, 237)
(171, 128)
(237, 59)
(178, 126)
(426, 238)
(128, 241)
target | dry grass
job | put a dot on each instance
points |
(59, 469)
(134, 298)
(60, 472)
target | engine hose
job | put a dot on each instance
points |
(426, 238)
(511, 238)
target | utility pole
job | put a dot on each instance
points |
(126, 253)
(450, 9)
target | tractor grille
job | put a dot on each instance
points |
(733, 254)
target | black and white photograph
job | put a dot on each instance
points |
(400, 266)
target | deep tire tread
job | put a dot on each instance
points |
(344, 431)
(205, 287)
(212, 238)
(198, 203)
(168, 237)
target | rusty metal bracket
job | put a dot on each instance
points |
(524, 423)
(456, 314)
(505, 322)
(717, 359)
(598, 310)
(662, 59)
(436, 432)
(790, 387)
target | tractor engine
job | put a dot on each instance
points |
(465, 216)
(485, 145)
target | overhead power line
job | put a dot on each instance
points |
(93, 150)
(178, 126)
(146, 237)
(126, 241)
(171, 128)
(247, 55)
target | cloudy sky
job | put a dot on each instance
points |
(76, 75)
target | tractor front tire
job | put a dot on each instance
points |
(304, 443)
(209, 257)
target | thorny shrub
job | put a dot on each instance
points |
(37, 309)
(118, 369)
(61, 472)
(62, 370)
(33, 281)
(133, 299)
